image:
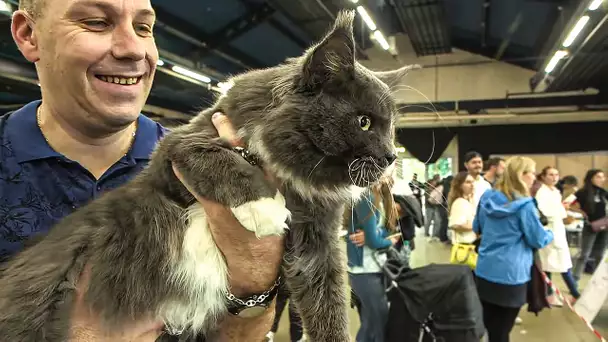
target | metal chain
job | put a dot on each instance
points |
(255, 299)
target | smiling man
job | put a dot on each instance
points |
(96, 61)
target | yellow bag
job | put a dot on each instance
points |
(464, 254)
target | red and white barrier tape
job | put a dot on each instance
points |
(564, 299)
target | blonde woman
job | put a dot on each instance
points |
(510, 230)
(461, 208)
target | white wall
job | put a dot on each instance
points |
(477, 81)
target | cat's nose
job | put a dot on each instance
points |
(390, 158)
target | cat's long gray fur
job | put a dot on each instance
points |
(305, 119)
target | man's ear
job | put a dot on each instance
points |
(24, 36)
(393, 77)
(334, 56)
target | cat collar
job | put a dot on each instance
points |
(248, 156)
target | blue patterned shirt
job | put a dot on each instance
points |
(39, 186)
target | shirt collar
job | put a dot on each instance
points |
(29, 144)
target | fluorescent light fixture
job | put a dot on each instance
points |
(5, 7)
(365, 16)
(554, 60)
(354, 1)
(580, 24)
(160, 62)
(191, 74)
(595, 4)
(381, 40)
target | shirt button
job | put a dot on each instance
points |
(98, 188)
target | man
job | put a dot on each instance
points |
(495, 168)
(96, 61)
(474, 165)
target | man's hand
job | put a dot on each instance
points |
(253, 263)
(358, 238)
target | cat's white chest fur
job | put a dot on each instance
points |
(201, 271)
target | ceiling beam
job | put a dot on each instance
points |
(195, 36)
(507, 38)
(235, 28)
(485, 22)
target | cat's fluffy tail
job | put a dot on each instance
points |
(37, 287)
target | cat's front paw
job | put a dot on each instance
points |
(266, 216)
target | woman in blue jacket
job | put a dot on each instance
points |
(510, 229)
(374, 214)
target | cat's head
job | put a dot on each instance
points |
(331, 123)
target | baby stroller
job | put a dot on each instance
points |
(435, 303)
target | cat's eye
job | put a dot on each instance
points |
(365, 122)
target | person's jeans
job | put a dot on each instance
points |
(593, 245)
(369, 288)
(570, 282)
(443, 224)
(296, 331)
(432, 216)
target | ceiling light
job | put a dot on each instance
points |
(354, 1)
(5, 7)
(160, 62)
(191, 74)
(381, 40)
(554, 60)
(595, 4)
(365, 16)
(576, 30)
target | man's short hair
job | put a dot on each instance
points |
(493, 162)
(471, 155)
(33, 7)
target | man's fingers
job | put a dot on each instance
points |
(224, 128)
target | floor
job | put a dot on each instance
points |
(557, 324)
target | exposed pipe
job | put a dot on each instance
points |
(447, 120)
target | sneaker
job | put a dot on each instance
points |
(269, 337)
(554, 301)
(518, 320)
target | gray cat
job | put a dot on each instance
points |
(321, 122)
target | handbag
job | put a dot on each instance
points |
(464, 254)
(536, 296)
(600, 224)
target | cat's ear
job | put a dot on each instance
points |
(393, 77)
(334, 56)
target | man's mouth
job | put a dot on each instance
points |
(119, 79)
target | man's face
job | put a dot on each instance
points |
(97, 57)
(474, 166)
(500, 169)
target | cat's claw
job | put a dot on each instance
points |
(266, 216)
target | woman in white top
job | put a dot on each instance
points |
(461, 208)
(555, 257)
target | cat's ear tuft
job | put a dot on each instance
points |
(393, 77)
(334, 56)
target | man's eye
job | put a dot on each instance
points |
(143, 28)
(96, 24)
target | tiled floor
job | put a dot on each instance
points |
(557, 324)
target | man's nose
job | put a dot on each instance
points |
(127, 44)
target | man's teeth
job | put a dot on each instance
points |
(119, 80)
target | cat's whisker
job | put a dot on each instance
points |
(432, 149)
(313, 169)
